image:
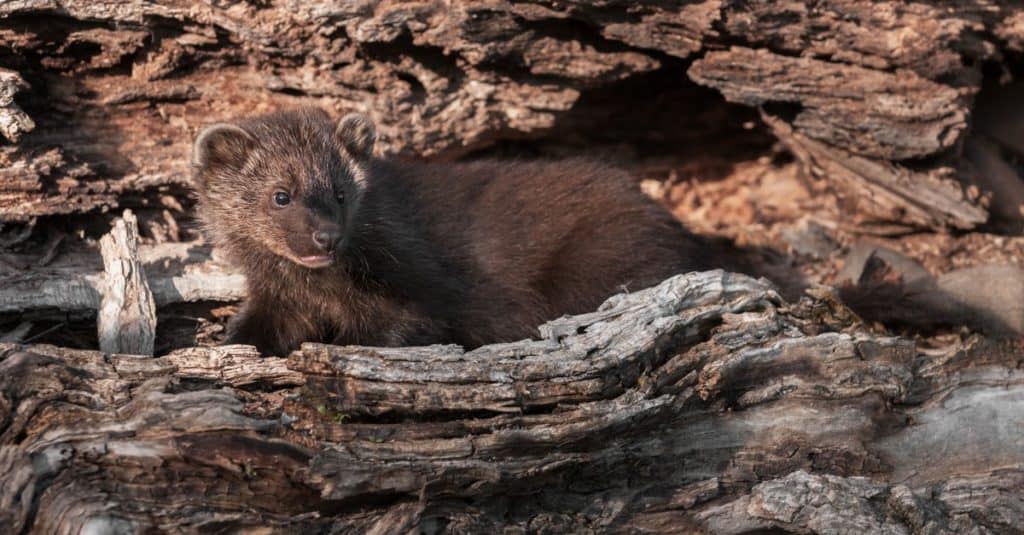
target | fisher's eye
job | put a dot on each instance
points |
(282, 199)
(341, 196)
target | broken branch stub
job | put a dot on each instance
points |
(13, 120)
(127, 316)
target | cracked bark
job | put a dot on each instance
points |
(117, 92)
(704, 403)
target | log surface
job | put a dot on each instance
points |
(104, 98)
(176, 273)
(705, 403)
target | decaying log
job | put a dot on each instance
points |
(176, 273)
(852, 124)
(118, 90)
(126, 320)
(887, 115)
(882, 196)
(705, 403)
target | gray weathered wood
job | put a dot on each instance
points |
(126, 320)
(703, 404)
(176, 273)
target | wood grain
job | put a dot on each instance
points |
(703, 404)
(127, 314)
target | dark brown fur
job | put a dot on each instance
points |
(467, 253)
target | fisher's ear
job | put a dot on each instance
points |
(357, 135)
(221, 144)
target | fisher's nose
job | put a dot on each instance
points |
(325, 238)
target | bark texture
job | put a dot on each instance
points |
(705, 403)
(127, 313)
(875, 95)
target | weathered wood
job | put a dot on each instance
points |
(13, 121)
(885, 115)
(176, 273)
(126, 320)
(882, 196)
(117, 91)
(703, 404)
(851, 123)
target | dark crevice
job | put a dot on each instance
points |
(363, 502)
(787, 111)
(430, 57)
(291, 91)
(660, 114)
(419, 92)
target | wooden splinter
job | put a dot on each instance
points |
(127, 316)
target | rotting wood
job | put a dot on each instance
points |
(881, 196)
(119, 91)
(704, 403)
(881, 115)
(126, 319)
(13, 120)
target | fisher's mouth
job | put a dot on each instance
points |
(316, 261)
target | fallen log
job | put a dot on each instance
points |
(703, 404)
(117, 91)
(75, 281)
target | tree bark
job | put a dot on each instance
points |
(883, 92)
(705, 403)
